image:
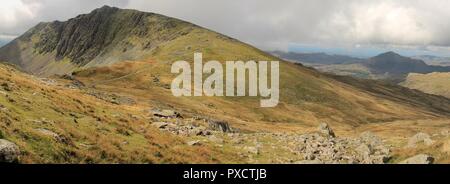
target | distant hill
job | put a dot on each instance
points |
(3, 42)
(394, 65)
(387, 66)
(316, 58)
(434, 60)
(433, 83)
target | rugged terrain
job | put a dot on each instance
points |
(104, 36)
(106, 98)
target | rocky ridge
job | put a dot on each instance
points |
(322, 146)
(104, 36)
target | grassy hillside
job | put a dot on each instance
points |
(307, 97)
(63, 120)
(357, 70)
(432, 83)
(53, 123)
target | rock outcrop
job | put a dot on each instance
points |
(194, 143)
(9, 152)
(420, 138)
(55, 136)
(166, 113)
(104, 36)
(326, 130)
(419, 159)
(320, 147)
(219, 126)
(325, 149)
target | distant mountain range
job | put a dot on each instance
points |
(316, 58)
(387, 66)
(3, 42)
(395, 64)
(434, 60)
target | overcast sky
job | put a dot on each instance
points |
(365, 26)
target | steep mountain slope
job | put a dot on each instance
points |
(432, 83)
(104, 36)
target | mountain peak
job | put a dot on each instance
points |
(105, 9)
(104, 36)
(390, 57)
(393, 57)
(390, 54)
(393, 63)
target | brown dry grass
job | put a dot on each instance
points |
(103, 132)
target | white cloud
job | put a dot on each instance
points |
(12, 12)
(17, 16)
(389, 22)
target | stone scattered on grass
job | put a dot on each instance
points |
(194, 143)
(9, 152)
(419, 159)
(420, 138)
(326, 130)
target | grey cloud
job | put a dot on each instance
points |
(31, 12)
(271, 24)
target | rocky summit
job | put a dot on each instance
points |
(104, 36)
